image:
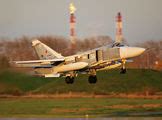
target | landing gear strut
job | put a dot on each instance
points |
(123, 69)
(69, 80)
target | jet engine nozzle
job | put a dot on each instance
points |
(129, 52)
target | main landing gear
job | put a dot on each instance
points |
(92, 79)
(69, 80)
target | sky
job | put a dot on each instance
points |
(142, 19)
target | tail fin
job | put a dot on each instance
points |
(44, 52)
(119, 35)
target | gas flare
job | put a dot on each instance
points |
(72, 8)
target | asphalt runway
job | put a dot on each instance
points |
(113, 118)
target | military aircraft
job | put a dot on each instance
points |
(53, 64)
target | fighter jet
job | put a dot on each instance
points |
(53, 64)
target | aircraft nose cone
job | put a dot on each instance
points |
(128, 52)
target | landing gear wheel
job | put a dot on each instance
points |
(92, 79)
(123, 71)
(69, 80)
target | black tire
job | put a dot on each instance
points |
(69, 80)
(123, 71)
(92, 79)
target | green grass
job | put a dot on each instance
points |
(75, 107)
(135, 81)
(13, 82)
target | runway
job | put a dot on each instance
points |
(113, 118)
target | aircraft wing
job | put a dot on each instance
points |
(38, 63)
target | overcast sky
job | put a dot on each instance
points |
(142, 18)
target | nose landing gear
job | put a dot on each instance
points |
(123, 69)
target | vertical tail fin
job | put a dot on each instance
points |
(119, 35)
(44, 52)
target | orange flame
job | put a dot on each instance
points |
(72, 8)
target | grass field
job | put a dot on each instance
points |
(109, 82)
(79, 107)
(135, 81)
